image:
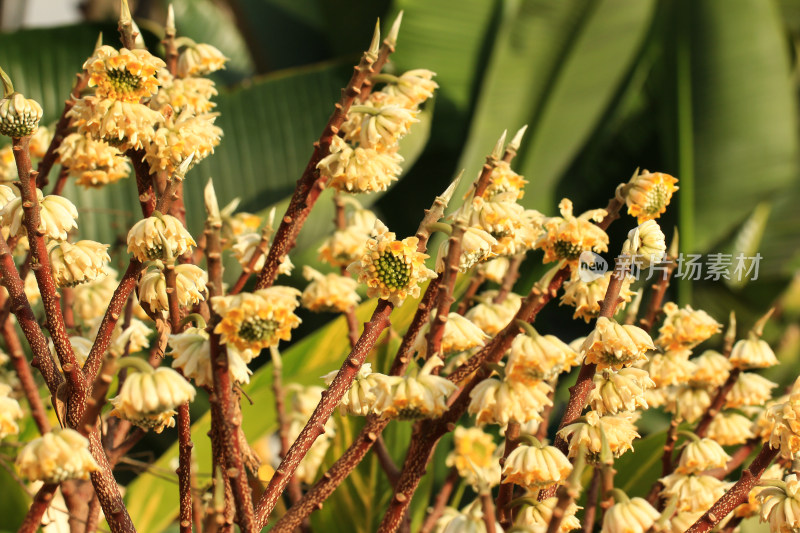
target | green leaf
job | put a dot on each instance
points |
(153, 501)
(638, 470)
(556, 67)
(744, 114)
(14, 503)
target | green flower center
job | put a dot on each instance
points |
(657, 198)
(258, 329)
(567, 250)
(392, 271)
(155, 252)
(123, 81)
(18, 125)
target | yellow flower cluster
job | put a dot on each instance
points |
(124, 75)
(567, 236)
(257, 320)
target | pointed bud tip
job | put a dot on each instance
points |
(395, 30)
(758, 327)
(447, 195)
(99, 41)
(170, 25)
(212, 206)
(517, 140)
(125, 13)
(374, 46)
(497, 153)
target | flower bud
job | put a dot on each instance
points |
(19, 116)
(701, 455)
(159, 237)
(646, 243)
(536, 466)
(615, 345)
(149, 399)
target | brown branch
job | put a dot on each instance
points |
(109, 322)
(184, 470)
(61, 182)
(506, 491)
(94, 404)
(61, 131)
(44, 278)
(229, 419)
(23, 370)
(144, 183)
(666, 464)
(341, 224)
(444, 293)
(541, 431)
(105, 486)
(19, 305)
(474, 284)
(310, 184)
(440, 502)
(592, 494)
(41, 501)
(386, 461)
(511, 277)
(737, 494)
(657, 297)
(294, 489)
(331, 398)
(489, 517)
(717, 403)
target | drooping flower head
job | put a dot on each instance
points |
(199, 59)
(685, 328)
(10, 412)
(259, 319)
(459, 335)
(586, 296)
(192, 352)
(126, 75)
(360, 169)
(57, 456)
(537, 357)
(423, 395)
(780, 505)
(496, 401)
(161, 237)
(190, 284)
(149, 399)
(361, 396)
(124, 125)
(701, 455)
(473, 456)
(567, 236)
(633, 515)
(536, 465)
(619, 430)
(347, 245)
(94, 163)
(177, 139)
(693, 492)
(622, 390)
(391, 269)
(329, 292)
(646, 244)
(414, 86)
(57, 216)
(648, 194)
(19, 116)
(615, 345)
(77, 263)
(192, 94)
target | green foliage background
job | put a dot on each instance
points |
(706, 90)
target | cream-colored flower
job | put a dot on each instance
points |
(57, 216)
(567, 236)
(391, 269)
(192, 94)
(190, 285)
(57, 456)
(125, 125)
(10, 412)
(645, 244)
(615, 345)
(192, 352)
(359, 170)
(77, 263)
(459, 335)
(688, 402)
(329, 292)
(474, 456)
(347, 245)
(586, 297)
(127, 75)
(648, 194)
(504, 180)
(752, 352)
(91, 299)
(135, 336)
(694, 492)
(476, 247)
(415, 86)
(495, 269)
(780, 505)
(492, 317)
(8, 173)
(19, 116)
(259, 319)
(730, 428)
(468, 520)
(711, 369)
(423, 395)
(6, 195)
(685, 328)
(749, 389)
(378, 127)
(536, 466)
(619, 430)
(199, 59)
(40, 142)
(360, 397)
(159, 237)
(539, 357)
(635, 515)
(622, 390)
(177, 139)
(785, 431)
(500, 217)
(94, 163)
(496, 401)
(539, 514)
(149, 399)
(701, 455)
(670, 368)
